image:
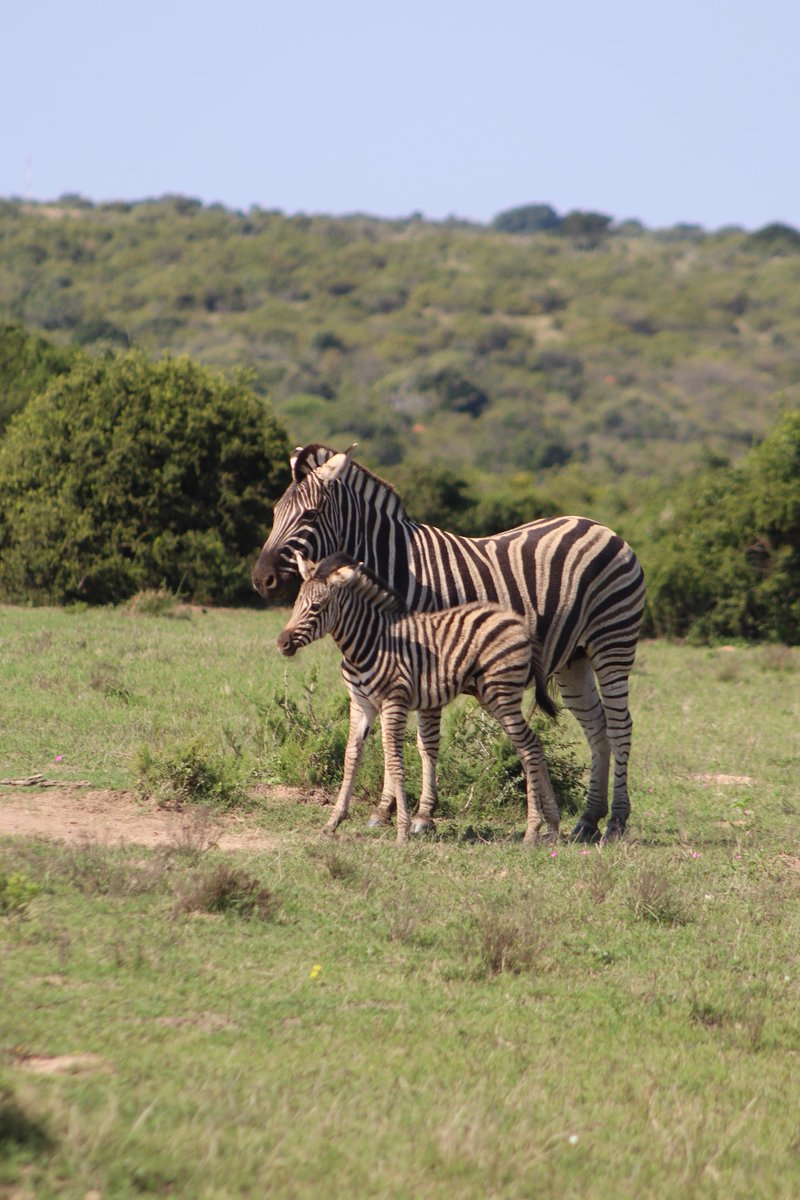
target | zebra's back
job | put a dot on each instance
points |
(434, 657)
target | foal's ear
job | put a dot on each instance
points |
(333, 468)
(342, 576)
(305, 566)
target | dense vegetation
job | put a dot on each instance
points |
(616, 350)
(126, 474)
(548, 363)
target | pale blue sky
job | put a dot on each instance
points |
(687, 111)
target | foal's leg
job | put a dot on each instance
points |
(428, 729)
(362, 717)
(507, 708)
(382, 813)
(394, 716)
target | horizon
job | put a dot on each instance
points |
(77, 200)
(686, 115)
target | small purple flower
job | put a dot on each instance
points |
(59, 758)
(554, 854)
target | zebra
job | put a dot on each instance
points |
(576, 582)
(395, 661)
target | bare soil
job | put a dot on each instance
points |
(120, 817)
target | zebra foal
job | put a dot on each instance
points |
(395, 661)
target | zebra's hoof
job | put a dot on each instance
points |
(377, 821)
(585, 834)
(614, 832)
(421, 826)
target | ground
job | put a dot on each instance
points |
(78, 814)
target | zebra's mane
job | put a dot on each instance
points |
(379, 593)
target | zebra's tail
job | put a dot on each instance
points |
(539, 680)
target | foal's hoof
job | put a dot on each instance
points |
(422, 825)
(379, 821)
(585, 834)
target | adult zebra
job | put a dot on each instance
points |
(578, 584)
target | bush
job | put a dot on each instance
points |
(726, 562)
(16, 892)
(27, 365)
(528, 218)
(189, 774)
(127, 474)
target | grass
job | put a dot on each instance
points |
(455, 1018)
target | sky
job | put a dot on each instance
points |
(679, 112)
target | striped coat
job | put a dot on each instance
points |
(395, 661)
(577, 584)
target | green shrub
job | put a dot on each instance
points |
(127, 474)
(224, 888)
(725, 562)
(479, 769)
(189, 773)
(28, 363)
(16, 892)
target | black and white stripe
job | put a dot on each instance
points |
(577, 583)
(396, 661)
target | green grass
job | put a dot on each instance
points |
(447, 1019)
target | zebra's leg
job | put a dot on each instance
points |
(362, 718)
(394, 716)
(428, 729)
(577, 685)
(619, 724)
(541, 801)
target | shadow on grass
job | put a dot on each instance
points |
(19, 1132)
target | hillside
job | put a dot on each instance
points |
(587, 357)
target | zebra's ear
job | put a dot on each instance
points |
(305, 566)
(293, 457)
(332, 469)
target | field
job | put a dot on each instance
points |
(460, 1017)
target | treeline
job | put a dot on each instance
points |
(120, 473)
(544, 345)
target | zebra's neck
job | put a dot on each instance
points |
(366, 610)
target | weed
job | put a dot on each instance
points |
(16, 892)
(99, 871)
(653, 898)
(196, 833)
(506, 941)
(224, 888)
(780, 659)
(107, 679)
(337, 864)
(188, 773)
(156, 602)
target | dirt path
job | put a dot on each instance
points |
(112, 817)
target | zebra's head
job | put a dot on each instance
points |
(316, 608)
(304, 520)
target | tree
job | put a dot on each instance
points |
(28, 362)
(528, 218)
(127, 474)
(726, 563)
(777, 238)
(586, 228)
